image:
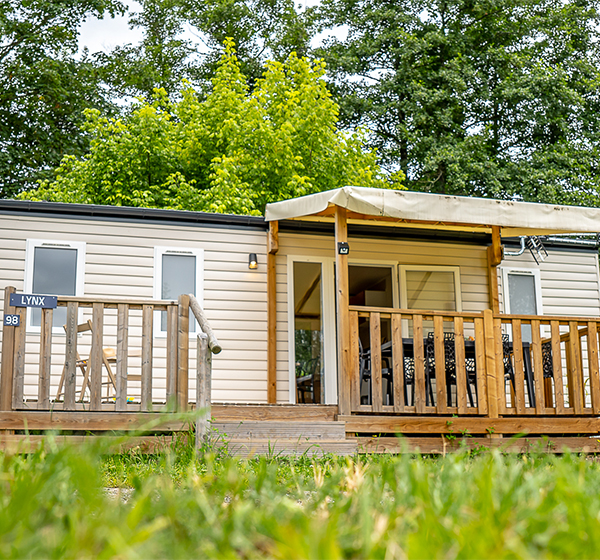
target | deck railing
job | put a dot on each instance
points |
(109, 356)
(423, 362)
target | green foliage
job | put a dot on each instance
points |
(488, 97)
(174, 505)
(161, 60)
(233, 151)
(44, 87)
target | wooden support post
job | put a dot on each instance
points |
(122, 341)
(203, 388)
(96, 357)
(272, 248)
(183, 350)
(494, 256)
(45, 358)
(8, 355)
(19, 364)
(171, 357)
(343, 313)
(147, 334)
(490, 364)
(70, 356)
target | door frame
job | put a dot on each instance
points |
(329, 328)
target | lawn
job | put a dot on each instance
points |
(56, 504)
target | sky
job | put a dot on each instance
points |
(105, 34)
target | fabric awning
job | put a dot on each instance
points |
(446, 212)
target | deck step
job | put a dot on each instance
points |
(250, 448)
(313, 432)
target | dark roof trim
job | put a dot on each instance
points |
(126, 213)
(555, 242)
(387, 232)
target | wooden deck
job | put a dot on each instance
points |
(436, 378)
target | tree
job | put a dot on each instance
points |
(484, 97)
(161, 60)
(40, 109)
(261, 29)
(233, 151)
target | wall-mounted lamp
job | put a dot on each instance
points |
(252, 261)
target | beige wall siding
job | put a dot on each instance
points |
(569, 281)
(120, 262)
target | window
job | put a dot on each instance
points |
(431, 288)
(55, 268)
(177, 271)
(370, 285)
(522, 294)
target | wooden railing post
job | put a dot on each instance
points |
(183, 350)
(8, 355)
(203, 387)
(171, 356)
(272, 248)
(343, 312)
(490, 364)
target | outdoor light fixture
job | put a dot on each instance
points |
(252, 261)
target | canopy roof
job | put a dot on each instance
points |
(416, 209)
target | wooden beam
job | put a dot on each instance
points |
(496, 246)
(343, 313)
(494, 258)
(272, 248)
(490, 364)
(183, 351)
(269, 413)
(441, 445)
(273, 238)
(472, 425)
(85, 420)
(8, 355)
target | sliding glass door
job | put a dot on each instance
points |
(311, 331)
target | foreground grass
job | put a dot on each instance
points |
(54, 504)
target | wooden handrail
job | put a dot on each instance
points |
(450, 315)
(198, 312)
(113, 303)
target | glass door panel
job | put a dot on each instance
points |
(308, 332)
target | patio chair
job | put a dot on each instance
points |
(450, 366)
(84, 364)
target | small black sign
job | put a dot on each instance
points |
(33, 300)
(12, 320)
(343, 248)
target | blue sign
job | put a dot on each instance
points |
(33, 300)
(12, 320)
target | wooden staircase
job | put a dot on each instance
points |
(248, 438)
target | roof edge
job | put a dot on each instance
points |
(129, 212)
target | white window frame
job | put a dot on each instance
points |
(403, 268)
(329, 326)
(535, 273)
(30, 247)
(381, 264)
(159, 251)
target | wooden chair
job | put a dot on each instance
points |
(109, 356)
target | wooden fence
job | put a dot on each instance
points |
(422, 362)
(90, 375)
